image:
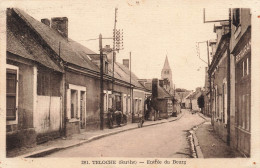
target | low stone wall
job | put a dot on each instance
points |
(21, 138)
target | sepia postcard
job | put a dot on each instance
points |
(129, 83)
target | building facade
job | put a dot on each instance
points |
(53, 83)
(230, 74)
(240, 112)
(218, 71)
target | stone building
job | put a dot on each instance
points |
(230, 73)
(53, 83)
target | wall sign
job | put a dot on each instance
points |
(244, 51)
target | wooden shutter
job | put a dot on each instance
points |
(11, 94)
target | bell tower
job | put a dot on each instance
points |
(167, 73)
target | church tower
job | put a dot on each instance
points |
(166, 73)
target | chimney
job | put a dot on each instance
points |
(155, 87)
(109, 53)
(60, 24)
(46, 21)
(198, 89)
(126, 63)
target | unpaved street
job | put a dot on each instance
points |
(163, 140)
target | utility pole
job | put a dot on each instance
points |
(113, 55)
(101, 84)
(131, 91)
(228, 83)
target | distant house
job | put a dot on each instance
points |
(187, 100)
(180, 95)
(192, 99)
(163, 101)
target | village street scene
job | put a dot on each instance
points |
(122, 82)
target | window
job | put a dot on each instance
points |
(220, 115)
(48, 82)
(129, 104)
(105, 102)
(247, 66)
(124, 104)
(236, 17)
(140, 106)
(118, 101)
(74, 104)
(243, 68)
(247, 112)
(110, 101)
(11, 94)
(224, 103)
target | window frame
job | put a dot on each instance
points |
(79, 89)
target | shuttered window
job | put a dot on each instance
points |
(48, 82)
(11, 94)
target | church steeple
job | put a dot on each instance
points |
(166, 73)
(166, 63)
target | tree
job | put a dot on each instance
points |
(201, 102)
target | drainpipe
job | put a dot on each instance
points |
(101, 84)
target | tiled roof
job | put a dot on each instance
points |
(194, 95)
(70, 51)
(162, 93)
(21, 42)
(121, 72)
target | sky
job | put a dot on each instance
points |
(152, 29)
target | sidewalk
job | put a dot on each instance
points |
(208, 144)
(78, 139)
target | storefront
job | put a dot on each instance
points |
(243, 100)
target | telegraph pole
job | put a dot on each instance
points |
(131, 91)
(101, 84)
(113, 55)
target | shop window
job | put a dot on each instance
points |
(11, 94)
